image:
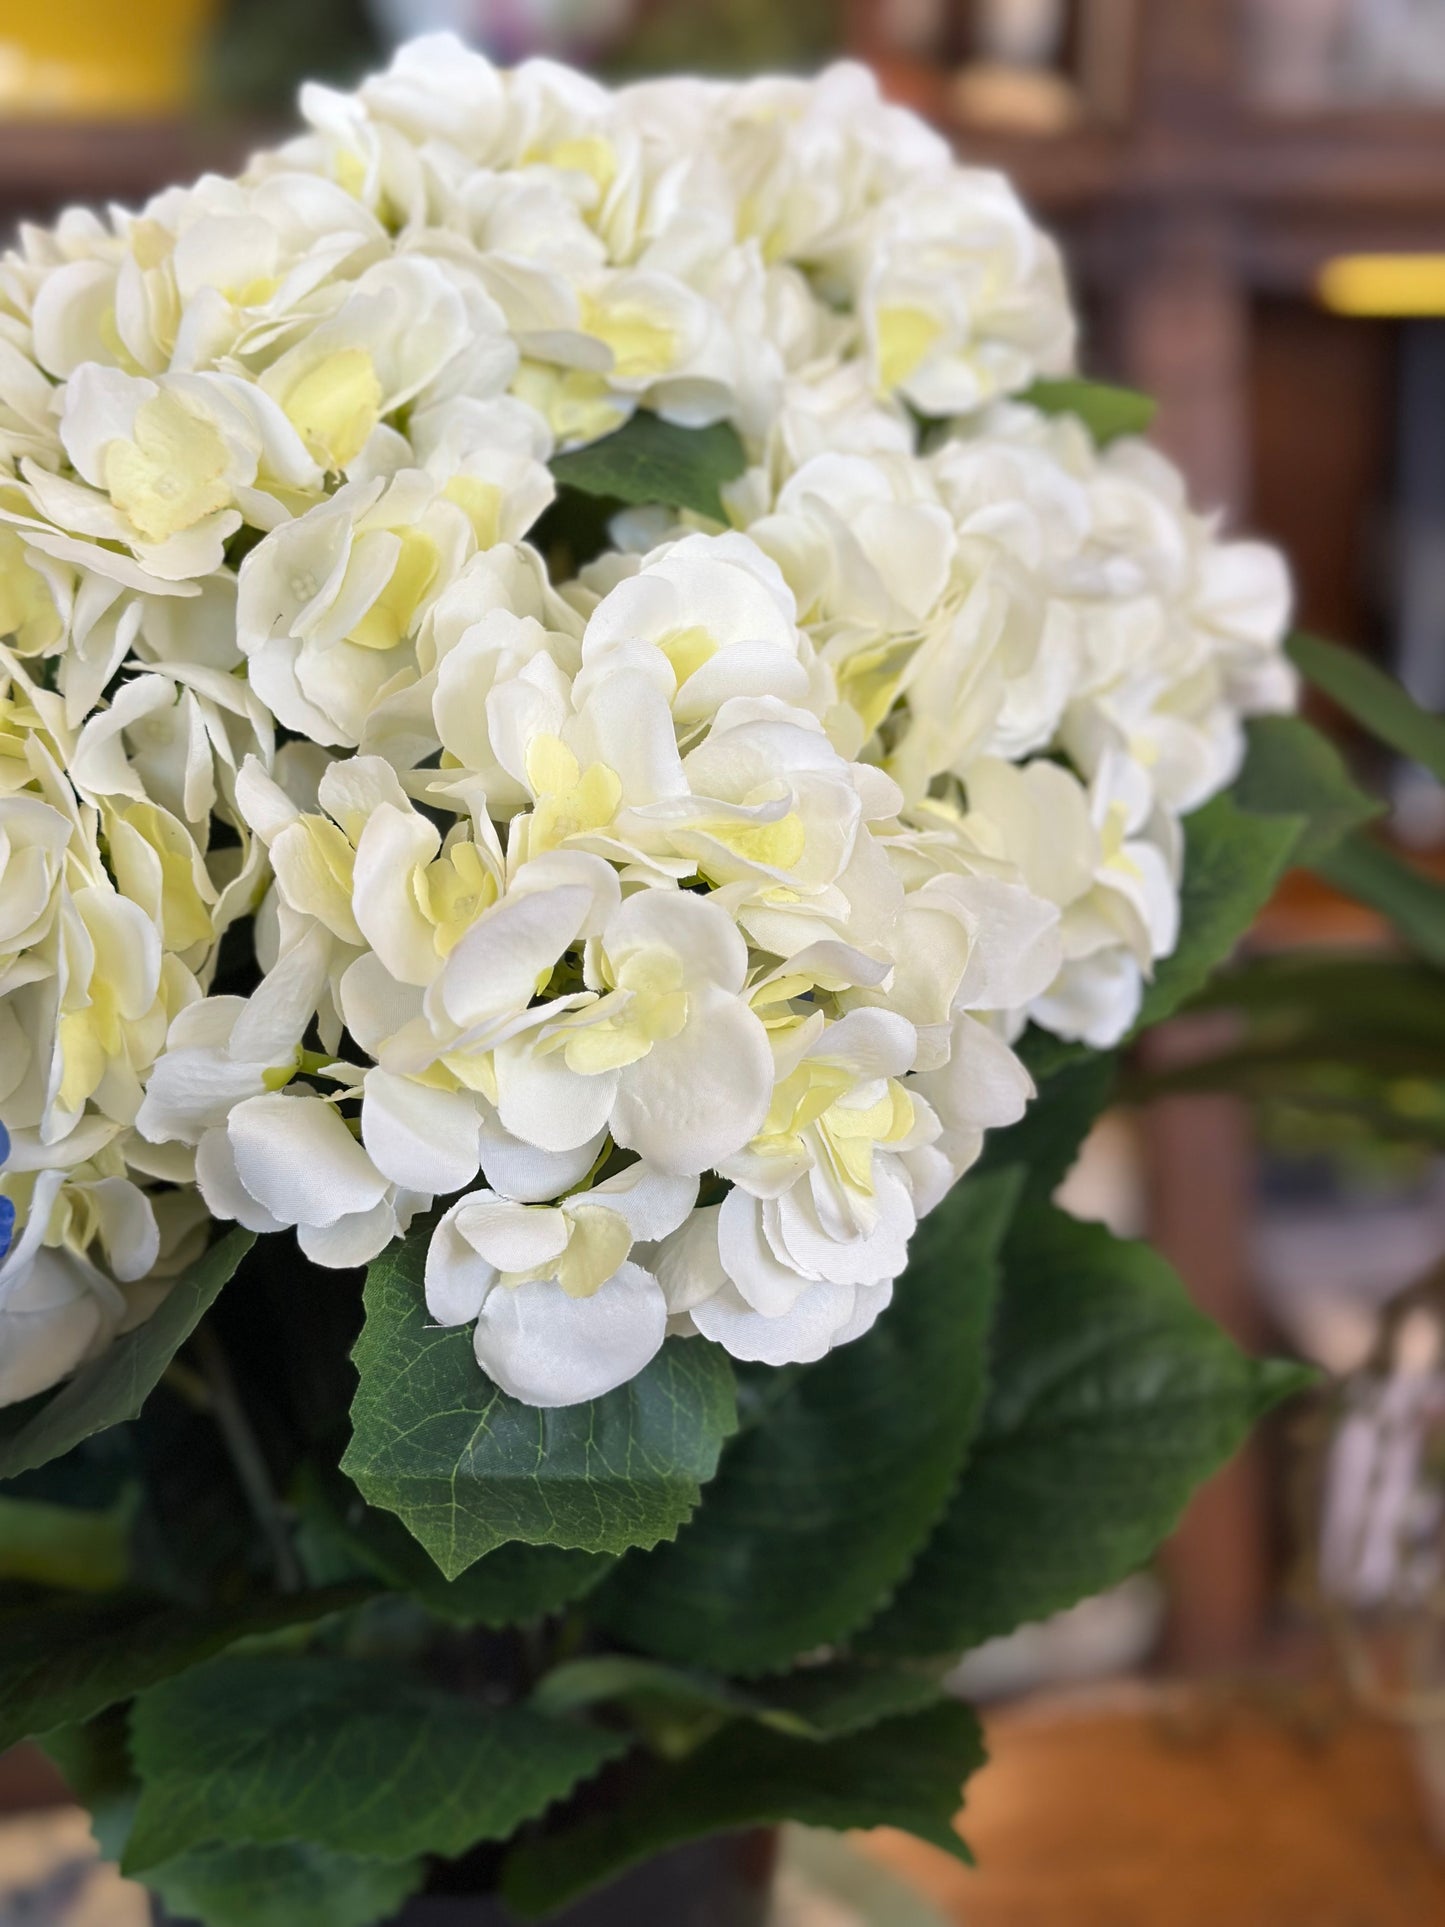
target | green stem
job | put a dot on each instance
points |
(248, 1459)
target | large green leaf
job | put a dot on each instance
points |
(344, 1537)
(291, 1886)
(815, 1702)
(1373, 698)
(1291, 770)
(288, 1885)
(1106, 411)
(350, 1755)
(650, 460)
(468, 1469)
(1363, 1031)
(1232, 861)
(1111, 1398)
(64, 1663)
(820, 1507)
(1412, 901)
(114, 1386)
(906, 1773)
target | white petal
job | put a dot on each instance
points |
(983, 1085)
(51, 1315)
(697, 1098)
(354, 1239)
(191, 1091)
(872, 1043)
(702, 934)
(793, 1226)
(548, 1349)
(375, 1006)
(532, 1176)
(298, 1160)
(223, 1191)
(458, 1278)
(688, 1266)
(544, 1103)
(797, 1337)
(513, 1237)
(762, 1280)
(652, 1202)
(128, 1230)
(495, 967)
(278, 1011)
(420, 1138)
(393, 846)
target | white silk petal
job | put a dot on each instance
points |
(547, 1349)
(422, 1139)
(299, 1162)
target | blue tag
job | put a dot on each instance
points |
(7, 1209)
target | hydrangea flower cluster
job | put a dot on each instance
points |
(667, 926)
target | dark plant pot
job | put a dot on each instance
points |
(724, 1882)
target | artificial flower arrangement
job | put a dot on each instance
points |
(600, 746)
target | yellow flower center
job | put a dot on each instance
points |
(904, 336)
(687, 650)
(28, 616)
(393, 613)
(642, 347)
(185, 916)
(172, 474)
(452, 891)
(570, 800)
(335, 406)
(481, 503)
(851, 1121)
(576, 403)
(598, 1241)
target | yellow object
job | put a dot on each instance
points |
(97, 57)
(1387, 285)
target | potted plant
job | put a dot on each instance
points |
(601, 746)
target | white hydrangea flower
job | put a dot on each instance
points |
(561, 1309)
(672, 924)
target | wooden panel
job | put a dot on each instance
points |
(1153, 1808)
(1321, 400)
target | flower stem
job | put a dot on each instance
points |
(248, 1459)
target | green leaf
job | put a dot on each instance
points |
(1232, 862)
(1413, 902)
(1362, 1029)
(1106, 411)
(816, 1702)
(512, 1586)
(1111, 1399)
(116, 1385)
(289, 1885)
(906, 1773)
(1373, 698)
(1291, 770)
(59, 1664)
(468, 1469)
(74, 1547)
(94, 1758)
(820, 1508)
(346, 1754)
(1049, 1136)
(1350, 990)
(1043, 1055)
(650, 460)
